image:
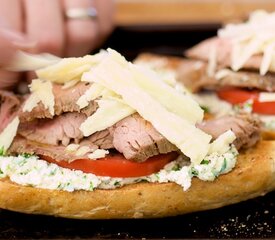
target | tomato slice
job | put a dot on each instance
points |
(116, 165)
(238, 96)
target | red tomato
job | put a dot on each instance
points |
(237, 96)
(117, 165)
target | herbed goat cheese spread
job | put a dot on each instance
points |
(31, 171)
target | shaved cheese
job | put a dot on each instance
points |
(173, 100)
(8, 134)
(99, 153)
(30, 62)
(69, 69)
(83, 150)
(70, 84)
(148, 81)
(222, 73)
(256, 36)
(222, 144)
(249, 50)
(92, 93)
(72, 147)
(120, 78)
(212, 61)
(41, 91)
(266, 97)
(109, 112)
(267, 58)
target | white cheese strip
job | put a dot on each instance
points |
(98, 153)
(92, 93)
(72, 147)
(193, 142)
(82, 150)
(222, 73)
(267, 58)
(70, 84)
(222, 143)
(253, 37)
(69, 69)
(174, 101)
(8, 134)
(41, 91)
(212, 61)
(109, 112)
(248, 50)
(266, 97)
(30, 62)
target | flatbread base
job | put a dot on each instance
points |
(253, 176)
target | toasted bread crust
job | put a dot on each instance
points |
(253, 176)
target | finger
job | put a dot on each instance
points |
(81, 33)
(106, 12)
(10, 12)
(44, 24)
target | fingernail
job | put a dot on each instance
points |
(18, 39)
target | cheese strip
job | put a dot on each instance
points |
(41, 91)
(109, 112)
(30, 62)
(193, 142)
(69, 69)
(174, 101)
(8, 134)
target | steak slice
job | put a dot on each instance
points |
(61, 130)
(193, 74)
(9, 107)
(22, 145)
(138, 140)
(65, 101)
(246, 128)
(224, 50)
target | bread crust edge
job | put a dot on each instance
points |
(254, 175)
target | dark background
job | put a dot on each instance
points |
(251, 219)
(162, 39)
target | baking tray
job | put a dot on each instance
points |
(251, 219)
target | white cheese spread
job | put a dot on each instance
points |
(31, 171)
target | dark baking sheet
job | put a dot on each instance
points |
(251, 219)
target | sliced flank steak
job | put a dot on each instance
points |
(65, 101)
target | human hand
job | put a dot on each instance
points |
(10, 43)
(45, 23)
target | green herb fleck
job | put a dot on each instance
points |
(224, 165)
(176, 167)
(117, 183)
(2, 151)
(194, 172)
(53, 172)
(26, 155)
(205, 109)
(157, 176)
(91, 186)
(205, 162)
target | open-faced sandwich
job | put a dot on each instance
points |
(233, 71)
(99, 137)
